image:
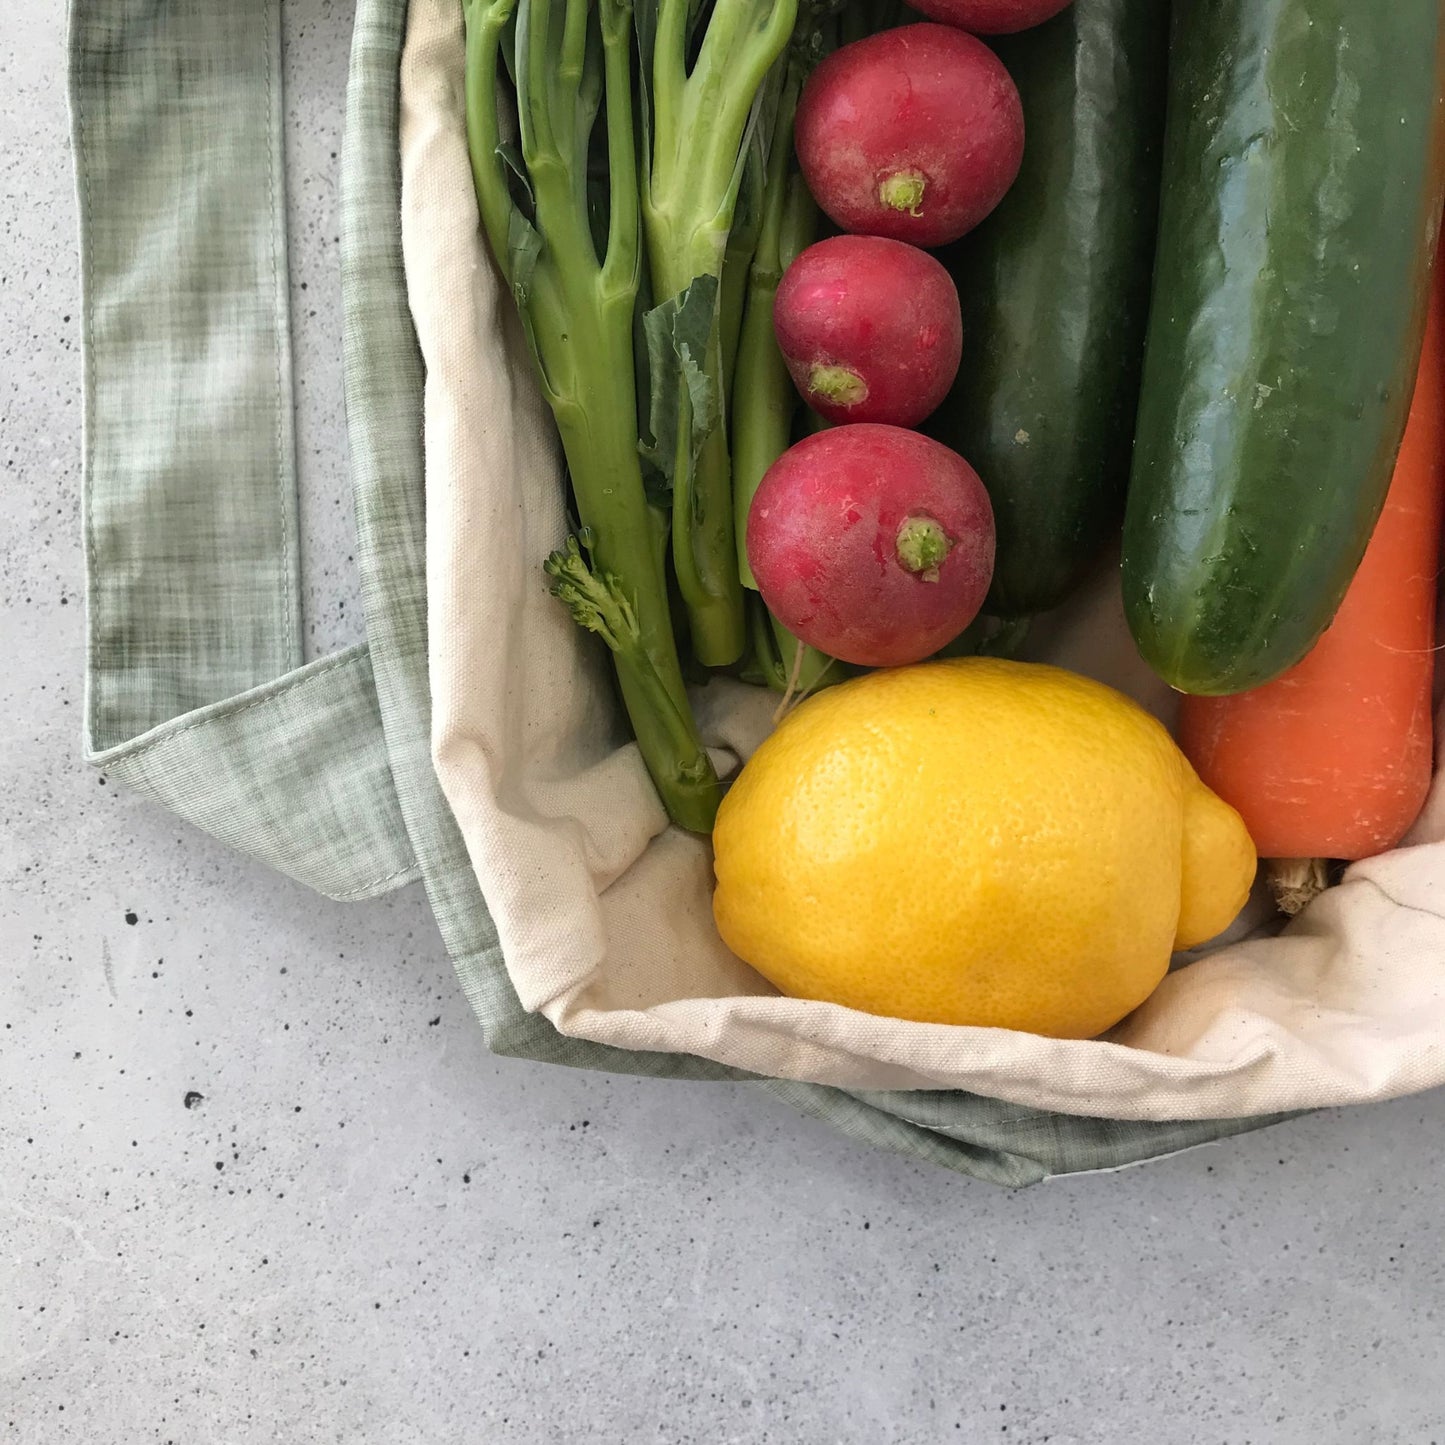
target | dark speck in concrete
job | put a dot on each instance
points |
(192, 1098)
(131, 918)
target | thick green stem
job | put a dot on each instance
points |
(693, 177)
(703, 549)
(669, 66)
(764, 401)
(806, 675)
(774, 660)
(574, 43)
(761, 666)
(612, 507)
(537, 71)
(738, 257)
(743, 41)
(702, 515)
(622, 269)
(763, 406)
(732, 302)
(600, 443)
(486, 24)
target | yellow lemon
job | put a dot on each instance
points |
(975, 842)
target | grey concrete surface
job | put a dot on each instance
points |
(260, 1182)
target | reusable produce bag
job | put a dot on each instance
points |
(603, 912)
(196, 692)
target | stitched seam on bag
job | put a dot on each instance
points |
(87, 448)
(412, 871)
(277, 217)
(226, 716)
(938, 1128)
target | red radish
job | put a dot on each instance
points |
(992, 17)
(914, 133)
(870, 328)
(872, 543)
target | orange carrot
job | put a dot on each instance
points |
(1334, 758)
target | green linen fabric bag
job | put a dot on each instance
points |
(197, 696)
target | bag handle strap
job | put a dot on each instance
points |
(195, 694)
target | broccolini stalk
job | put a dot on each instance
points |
(738, 258)
(572, 58)
(764, 400)
(696, 125)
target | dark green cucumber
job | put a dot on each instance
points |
(1301, 201)
(1055, 293)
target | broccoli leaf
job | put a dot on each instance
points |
(511, 157)
(524, 248)
(684, 398)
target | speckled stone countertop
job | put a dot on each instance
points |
(260, 1182)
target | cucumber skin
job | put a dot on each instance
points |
(1301, 202)
(1055, 294)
